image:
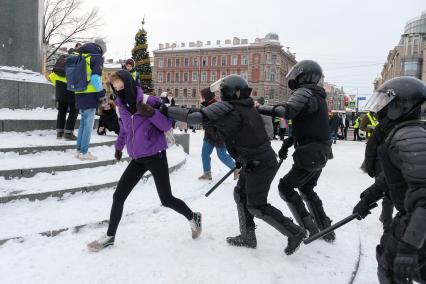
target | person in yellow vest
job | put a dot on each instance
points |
(356, 128)
(368, 123)
(87, 101)
(130, 66)
(65, 100)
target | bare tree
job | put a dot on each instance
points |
(64, 22)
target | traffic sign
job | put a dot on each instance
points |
(362, 98)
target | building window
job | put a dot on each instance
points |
(169, 62)
(160, 62)
(244, 75)
(274, 59)
(186, 62)
(214, 61)
(272, 75)
(168, 77)
(160, 91)
(177, 62)
(271, 94)
(185, 93)
(204, 76)
(176, 93)
(223, 74)
(160, 77)
(195, 61)
(185, 77)
(213, 76)
(223, 58)
(234, 60)
(194, 93)
(177, 77)
(194, 76)
(204, 61)
(244, 60)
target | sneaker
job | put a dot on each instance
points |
(59, 135)
(196, 225)
(73, 152)
(237, 174)
(70, 137)
(101, 243)
(206, 176)
(87, 157)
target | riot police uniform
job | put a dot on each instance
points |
(307, 108)
(401, 254)
(237, 121)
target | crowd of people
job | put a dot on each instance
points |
(241, 130)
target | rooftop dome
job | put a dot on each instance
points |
(416, 25)
(272, 36)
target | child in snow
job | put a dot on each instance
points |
(108, 119)
(142, 132)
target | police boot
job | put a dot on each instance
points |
(297, 209)
(247, 236)
(320, 218)
(282, 224)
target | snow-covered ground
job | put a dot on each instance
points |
(153, 243)
(21, 74)
(28, 114)
(38, 138)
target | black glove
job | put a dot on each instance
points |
(164, 110)
(118, 154)
(283, 152)
(361, 209)
(405, 264)
(145, 110)
(238, 165)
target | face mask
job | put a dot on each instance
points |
(121, 93)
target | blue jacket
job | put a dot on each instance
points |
(91, 100)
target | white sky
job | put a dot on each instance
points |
(349, 38)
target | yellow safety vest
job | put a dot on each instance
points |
(90, 88)
(373, 120)
(134, 74)
(55, 77)
(290, 122)
(356, 125)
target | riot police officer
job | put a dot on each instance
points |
(307, 108)
(237, 121)
(401, 254)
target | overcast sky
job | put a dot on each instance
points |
(349, 38)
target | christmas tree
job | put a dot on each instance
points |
(141, 57)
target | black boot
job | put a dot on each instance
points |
(247, 240)
(297, 209)
(284, 225)
(247, 236)
(320, 218)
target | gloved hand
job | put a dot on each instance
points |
(163, 109)
(283, 152)
(238, 165)
(145, 110)
(361, 209)
(405, 263)
(118, 154)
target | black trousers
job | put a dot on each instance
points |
(66, 124)
(158, 166)
(345, 133)
(387, 250)
(305, 181)
(356, 134)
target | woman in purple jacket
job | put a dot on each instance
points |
(142, 131)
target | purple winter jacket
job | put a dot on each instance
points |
(143, 136)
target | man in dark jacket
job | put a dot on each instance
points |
(335, 123)
(88, 100)
(401, 148)
(307, 108)
(239, 124)
(213, 140)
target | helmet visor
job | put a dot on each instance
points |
(379, 100)
(216, 86)
(294, 72)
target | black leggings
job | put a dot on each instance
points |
(158, 166)
(61, 121)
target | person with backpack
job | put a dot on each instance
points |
(66, 102)
(142, 131)
(84, 75)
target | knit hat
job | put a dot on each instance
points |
(99, 41)
(261, 100)
(207, 94)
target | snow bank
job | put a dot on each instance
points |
(20, 74)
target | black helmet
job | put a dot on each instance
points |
(398, 97)
(231, 87)
(304, 72)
